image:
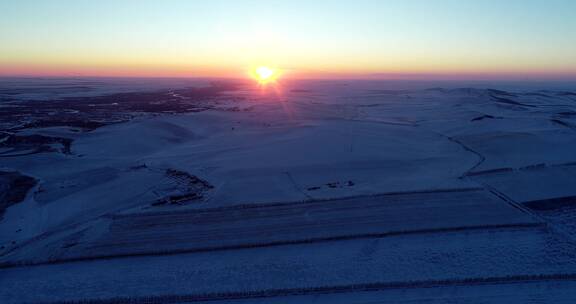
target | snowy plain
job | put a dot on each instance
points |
(166, 191)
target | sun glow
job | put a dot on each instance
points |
(265, 74)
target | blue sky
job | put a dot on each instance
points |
(386, 36)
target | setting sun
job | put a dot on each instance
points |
(265, 74)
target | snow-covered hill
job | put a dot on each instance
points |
(300, 192)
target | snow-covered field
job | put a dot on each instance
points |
(315, 192)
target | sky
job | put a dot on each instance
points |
(397, 39)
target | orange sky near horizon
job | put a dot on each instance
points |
(166, 70)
